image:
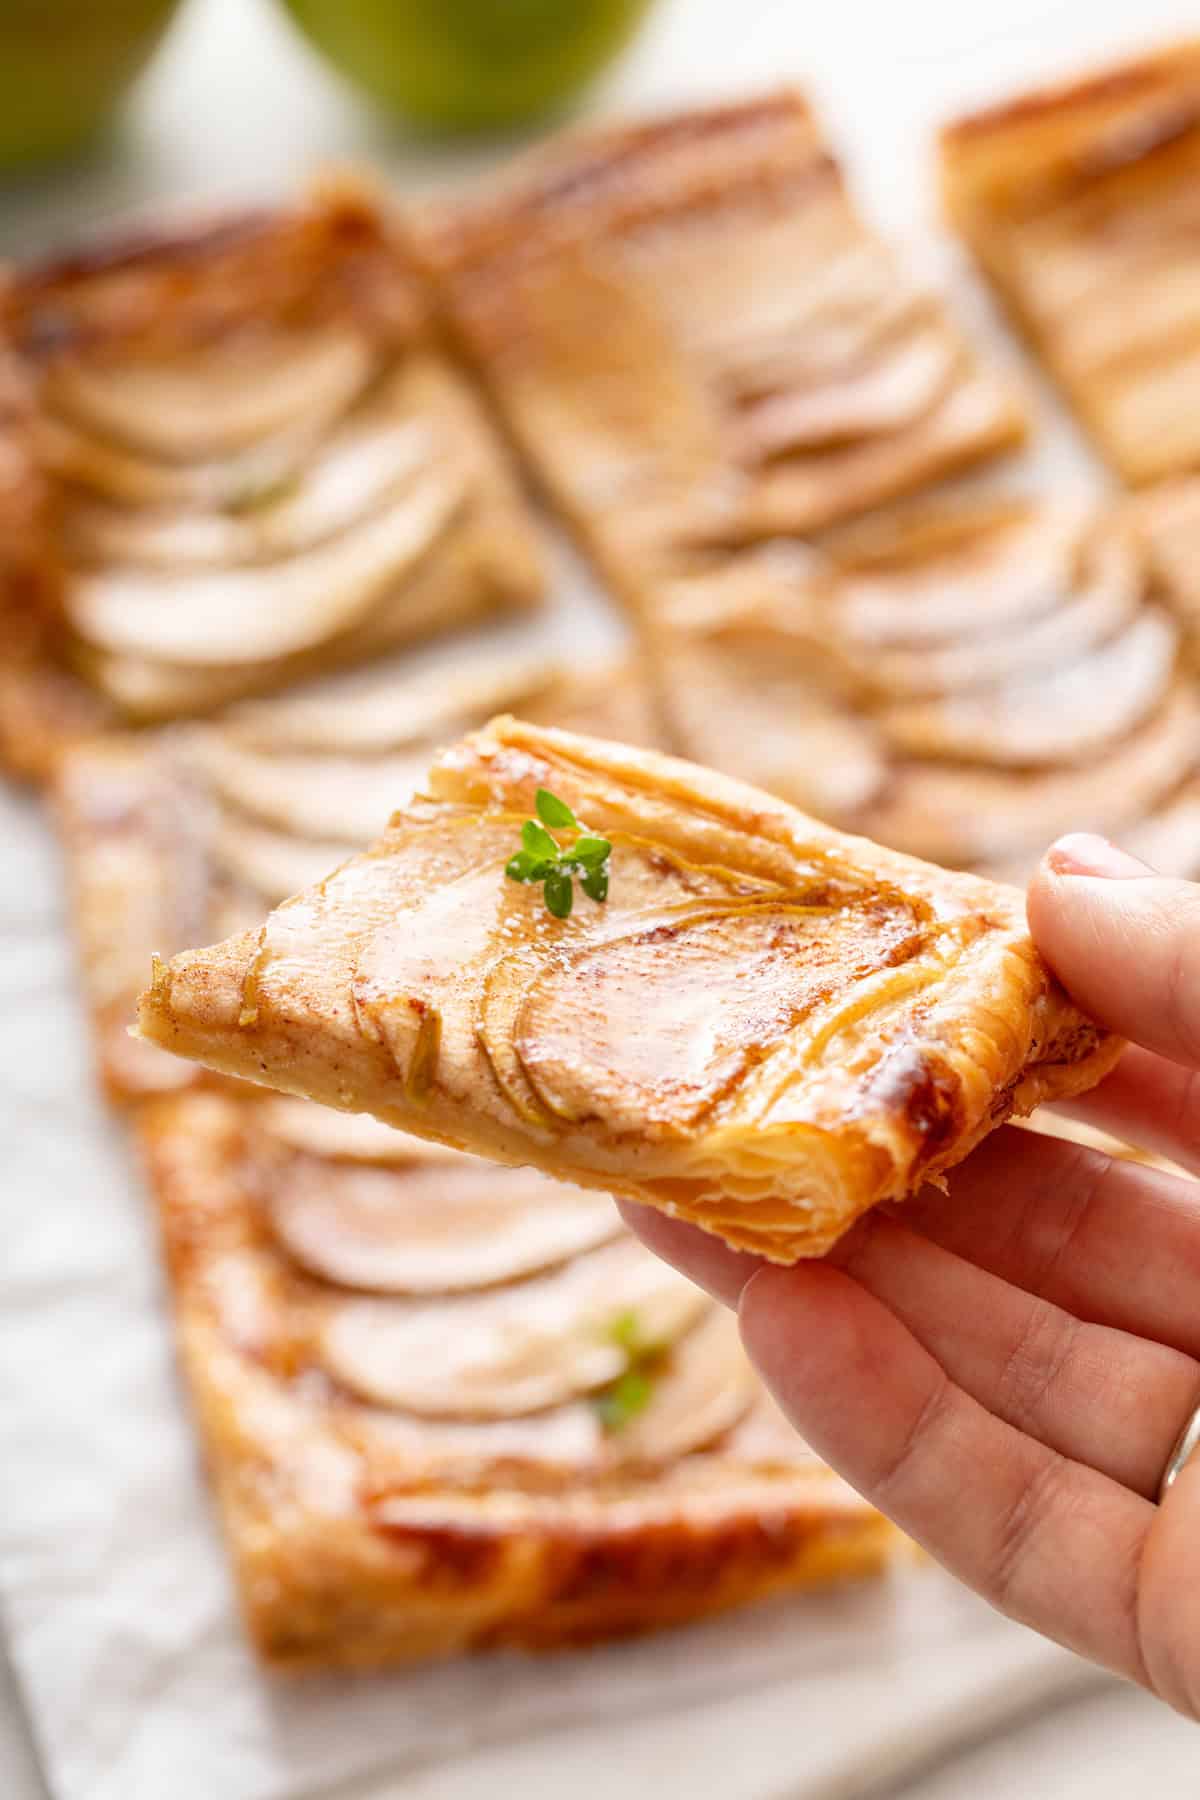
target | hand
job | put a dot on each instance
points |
(1004, 1370)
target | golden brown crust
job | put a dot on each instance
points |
(1079, 202)
(349, 1552)
(243, 457)
(177, 284)
(858, 1020)
(661, 310)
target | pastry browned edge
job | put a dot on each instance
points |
(766, 1028)
(698, 342)
(1081, 203)
(240, 455)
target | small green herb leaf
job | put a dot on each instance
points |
(554, 812)
(595, 884)
(541, 858)
(559, 893)
(625, 1331)
(526, 867)
(538, 842)
(590, 851)
(623, 1400)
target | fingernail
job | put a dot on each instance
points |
(1084, 853)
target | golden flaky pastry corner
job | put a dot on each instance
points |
(766, 1028)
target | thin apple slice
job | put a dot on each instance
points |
(364, 712)
(1064, 716)
(959, 815)
(705, 1388)
(123, 478)
(947, 573)
(345, 482)
(447, 1227)
(344, 799)
(597, 1038)
(514, 1350)
(343, 1137)
(1107, 599)
(255, 615)
(891, 390)
(270, 863)
(213, 402)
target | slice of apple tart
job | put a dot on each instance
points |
(446, 1405)
(442, 1403)
(697, 339)
(698, 998)
(1082, 202)
(255, 460)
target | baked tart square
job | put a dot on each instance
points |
(699, 997)
(696, 338)
(446, 1406)
(247, 458)
(1081, 203)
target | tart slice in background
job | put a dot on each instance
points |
(1082, 204)
(448, 1406)
(697, 339)
(246, 459)
(751, 1021)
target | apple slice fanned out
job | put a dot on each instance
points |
(754, 1021)
(348, 480)
(256, 459)
(258, 614)
(1064, 715)
(214, 401)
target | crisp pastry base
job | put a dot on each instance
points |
(348, 1552)
(172, 837)
(696, 340)
(767, 1027)
(240, 457)
(1081, 204)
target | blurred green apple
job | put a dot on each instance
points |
(64, 65)
(469, 64)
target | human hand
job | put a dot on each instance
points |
(1005, 1371)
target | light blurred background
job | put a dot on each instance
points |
(236, 102)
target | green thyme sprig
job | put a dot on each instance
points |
(623, 1399)
(542, 858)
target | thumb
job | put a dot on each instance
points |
(1124, 942)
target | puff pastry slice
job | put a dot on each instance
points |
(767, 1027)
(249, 460)
(695, 337)
(447, 1406)
(1082, 203)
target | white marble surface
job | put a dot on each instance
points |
(237, 106)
